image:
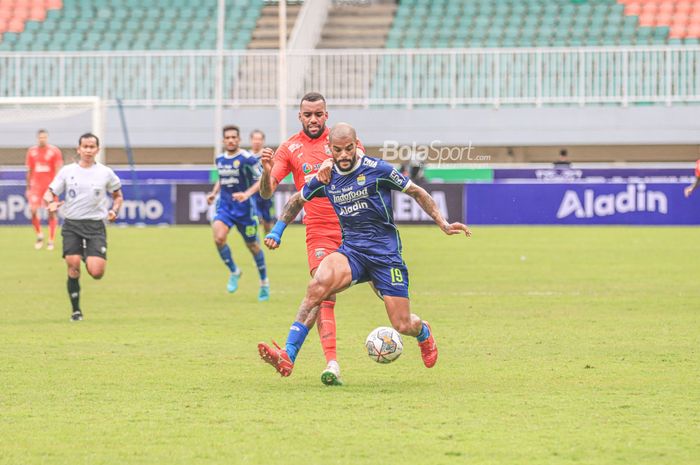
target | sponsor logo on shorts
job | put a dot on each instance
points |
(103, 249)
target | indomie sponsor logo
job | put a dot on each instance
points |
(353, 209)
(634, 199)
(351, 196)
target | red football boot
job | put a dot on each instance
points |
(428, 349)
(277, 357)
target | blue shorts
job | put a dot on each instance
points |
(265, 208)
(246, 225)
(388, 273)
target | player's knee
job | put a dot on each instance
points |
(96, 274)
(403, 326)
(254, 247)
(318, 289)
(74, 272)
(220, 241)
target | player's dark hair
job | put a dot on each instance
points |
(257, 131)
(231, 127)
(312, 97)
(88, 135)
(42, 131)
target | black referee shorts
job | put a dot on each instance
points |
(87, 238)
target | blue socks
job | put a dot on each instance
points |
(297, 334)
(424, 333)
(260, 262)
(225, 254)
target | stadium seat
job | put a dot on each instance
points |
(128, 18)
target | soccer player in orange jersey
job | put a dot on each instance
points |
(302, 155)
(43, 162)
(689, 190)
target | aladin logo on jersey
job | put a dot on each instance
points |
(635, 199)
(320, 253)
(353, 209)
(361, 179)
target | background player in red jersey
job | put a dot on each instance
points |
(43, 162)
(302, 155)
(689, 190)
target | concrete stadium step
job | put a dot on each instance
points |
(265, 34)
(362, 25)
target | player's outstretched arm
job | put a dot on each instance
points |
(289, 212)
(689, 190)
(268, 184)
(429, 206)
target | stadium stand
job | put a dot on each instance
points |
(363, 25)
(539, 23)
(266, 33)
(82, 25)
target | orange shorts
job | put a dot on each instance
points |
(36, 198)
(321, 241)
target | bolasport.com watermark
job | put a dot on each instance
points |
(434, 153)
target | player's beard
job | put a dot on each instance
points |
(315, 136)
(352, 164)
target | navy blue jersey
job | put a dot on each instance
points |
(362, 200)
(236, 174)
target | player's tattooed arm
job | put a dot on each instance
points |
(292, 208)
(429, 206)
(268, 184)
(689, 190)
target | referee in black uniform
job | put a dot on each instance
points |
(85, 185)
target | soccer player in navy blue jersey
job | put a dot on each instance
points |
(360, 193)
(265, 207)
(239, 179)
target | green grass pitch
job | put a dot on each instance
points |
(557, 345)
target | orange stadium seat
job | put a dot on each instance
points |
(37, 14)
(15, 25)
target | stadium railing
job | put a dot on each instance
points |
(364, 78)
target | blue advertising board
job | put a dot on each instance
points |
(146, 204)
(580, 203)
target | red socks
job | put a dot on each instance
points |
(326, 329)
(53, 222)
(36, 222)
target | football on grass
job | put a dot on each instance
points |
(384, 345)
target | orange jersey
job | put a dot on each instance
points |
(697, 169)
(44, 162)
(302, 156)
